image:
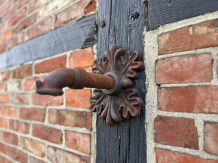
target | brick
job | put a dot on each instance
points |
(17, 154)
(185, 69)
(5, 36)
(192, 99)
(33, 146)
(22, 71)
(33, 5)
(3, 47)
(35, 160)
(198, 36)
(176, 132)
(47, 100)
(82, 58)
(40, 28)
(50, 65)
(2, 88)
(26, 22)
(35, 114)
(78, 141)
(4, 98)
(14, 86)
(78, 98)
(4, 7)
(22, 3)
(71, 118)
(9, 13)
(71, 13)
(3, 123)
(5, 160)
(19, 126)
(3, 27)
(47, 133)
(91, 6)
(18, 16)
(30, 83)
(21, 98)
(4, 75)
(9, 137)
(3, 148)
(210, 138)
(18, 39)
(52, 6)
(9, 111)
(57, 155)
(167, 156)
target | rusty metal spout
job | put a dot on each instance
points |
(74, 78)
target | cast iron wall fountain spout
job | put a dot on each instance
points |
(114, 99)
(74, 78)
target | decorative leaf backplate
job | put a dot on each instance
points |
(121, 101)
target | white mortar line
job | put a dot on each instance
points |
(94, 120)
(193, 52)
(201, 154)
(188, 84)
(50, 107)
(203, 116)
(199, 123)
(214, 68)
(151, 53)
(68, 59)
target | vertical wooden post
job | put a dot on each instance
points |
(122, 22)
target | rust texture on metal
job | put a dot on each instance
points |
(74, 78)
(114, 99)
(99, 81)
(120, 101)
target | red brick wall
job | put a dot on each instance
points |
(35, 128)
(184, 119)
(181, 102)
(22, 20)
(51, 128)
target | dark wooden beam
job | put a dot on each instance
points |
(162, 12)
(78, 34)
(122, 22)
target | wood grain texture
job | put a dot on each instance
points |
(122, 22)
(162, 12)
(75, 35)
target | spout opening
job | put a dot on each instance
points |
(53, 92)
(41, 89)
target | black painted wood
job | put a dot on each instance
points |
(122, 22)
(162, 12)
(78, 34)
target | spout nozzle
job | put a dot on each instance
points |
(41, 89)
(74, 78)
(39, 84)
